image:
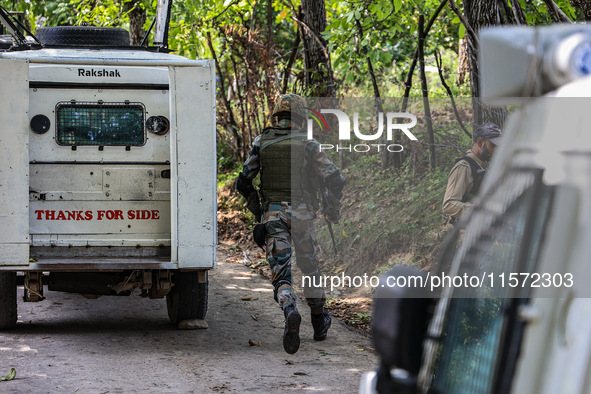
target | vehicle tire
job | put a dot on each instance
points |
(5, 42)
(188, 298)
(83, 36)
(7, 300)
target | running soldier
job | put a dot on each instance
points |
(293, 172)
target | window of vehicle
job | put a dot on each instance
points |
(118, 124)
(481, 333)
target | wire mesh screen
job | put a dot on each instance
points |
(493, 247)
(494, 235)
(100, 124)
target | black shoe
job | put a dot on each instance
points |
(321, 324)
(291, 335)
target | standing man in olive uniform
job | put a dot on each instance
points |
(467, 174)
(293, 172)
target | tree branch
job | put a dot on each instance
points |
(556, 13)
(290, 4)
(425, 89)
(518, 12)
(213, 18)
(292, 58)
(434, 16)
(316, 38)
(413, 65)
(507, 12)
(468, 27)
(233, 124)
(451, 96)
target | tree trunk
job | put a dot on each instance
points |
(398, 157)
(479, 14)
(425, 89)
(137, 19)
(518, 12)
(269, 59)
(556, 13)
(319, 77)
(384, 158)
(233, 125)
(463, 63)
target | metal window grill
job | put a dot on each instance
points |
(470, 348)
(98, 123)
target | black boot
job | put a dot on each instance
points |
(321, 324)
(291, 334)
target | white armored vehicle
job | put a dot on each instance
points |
(523, 326)
(107, 169)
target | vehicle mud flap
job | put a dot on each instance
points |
(188, 298)
(7, 300)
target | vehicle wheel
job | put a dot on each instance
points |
(188, 298)
(83, 36)
(7, 300)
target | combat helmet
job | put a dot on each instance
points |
(291, 105)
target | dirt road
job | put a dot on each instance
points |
(69, 344)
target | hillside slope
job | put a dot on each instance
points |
(388, 218)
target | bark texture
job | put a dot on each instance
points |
(463, 64)
(137, 19)
(480, 14)
(319, 77)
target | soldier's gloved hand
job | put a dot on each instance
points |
(253, 205)
(244, 186)
(332, 215)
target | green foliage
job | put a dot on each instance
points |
(388, 40)
(75, 12)
(227, 178)
(359, 318)
(253, 43)
(387, 214)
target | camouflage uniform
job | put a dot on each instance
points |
(286, 223)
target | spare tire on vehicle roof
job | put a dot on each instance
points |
(5, 41)
(83, 36)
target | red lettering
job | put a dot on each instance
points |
(118, 215)
(100, 215)
(143, 214)
(75, 215)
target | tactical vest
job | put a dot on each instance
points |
(477, 175)
(284, 176)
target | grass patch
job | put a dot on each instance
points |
(388, 218)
